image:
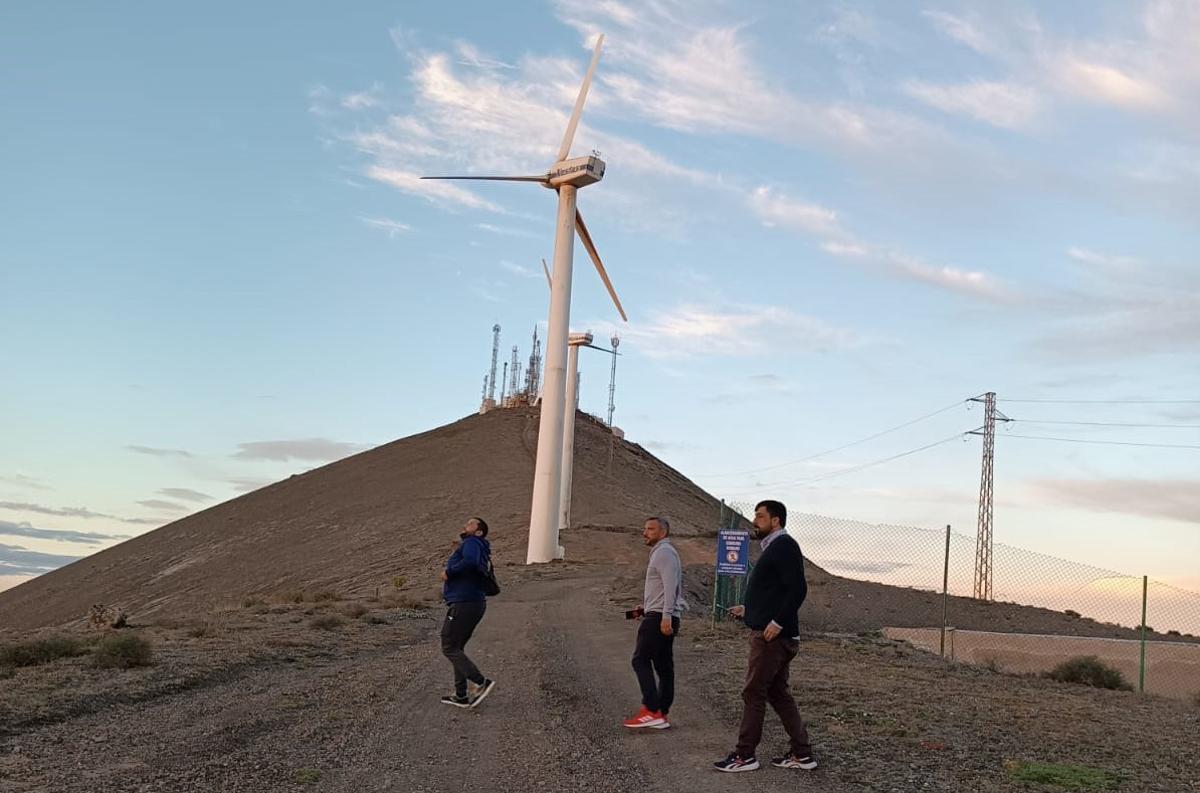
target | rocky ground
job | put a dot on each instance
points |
(264, 697)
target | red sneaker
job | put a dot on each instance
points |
(644, 718)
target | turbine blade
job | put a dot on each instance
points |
(569, 137)
(546, 269)
(539, 179)
(586, 238)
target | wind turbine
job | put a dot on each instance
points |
(565, 176)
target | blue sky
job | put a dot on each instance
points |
(824, 221)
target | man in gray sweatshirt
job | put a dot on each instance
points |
(661, 605)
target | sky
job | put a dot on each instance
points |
(825, 220)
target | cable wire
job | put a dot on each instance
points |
(852, 469)
(1108, 401)
(1103, 443)
(1111, 424)
(838, 448)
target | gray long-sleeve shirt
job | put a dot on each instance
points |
(664, 580)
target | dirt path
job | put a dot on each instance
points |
(369, 720)
(553, 721)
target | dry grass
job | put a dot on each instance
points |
(354, 610)
(40, 651)
(122, 651)
(327, 622)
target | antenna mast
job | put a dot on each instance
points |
(612, 379)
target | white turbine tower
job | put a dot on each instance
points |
(566, 176)
(574, 342)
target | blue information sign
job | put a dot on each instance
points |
(733, 552)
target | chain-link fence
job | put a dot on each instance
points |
(1044, 610)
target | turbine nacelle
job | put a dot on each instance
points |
(577, 172)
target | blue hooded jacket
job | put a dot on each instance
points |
(465, 570)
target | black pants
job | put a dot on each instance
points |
(461, 619)
(654, 653)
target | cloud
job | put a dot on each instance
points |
(185, 494)
(16, 560)
(1128, 309)
(159, 452)
(521, 270)
(1108, 85)
(442, 193)
(25, 481)
(1106, 261)
(693, 330)
(247, 485)
(392, 227)
(856, 566)
(509, 232)
(363, 99)
(775, 209)
(964, 31)
(670, 446)
(1172, 499)
(73, 512)
(59, 535)
(312, 449)
(1003, 104)
(158, 503)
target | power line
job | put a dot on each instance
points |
(852, 469)
(1108, 401)
(1112, 424)
(838, 448)
(1105, 443)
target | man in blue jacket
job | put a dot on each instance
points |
(465, 603)
(770, 609)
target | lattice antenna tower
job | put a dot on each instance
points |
(491, 388)
(514, 374)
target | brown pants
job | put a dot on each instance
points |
(767, 681)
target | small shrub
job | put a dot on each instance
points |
(379, 619)
(399, 582)
(354, 610)
(40, 651)
(1196, 699)
(293, 596)
(325, 596)
(121, 652)
(1089, 670)
(202, 630)
(327, 622)
(1068, 777)
(1072, 613)
(307, 776)
(1174, 633)
(253, 601)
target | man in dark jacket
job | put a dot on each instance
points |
(773, 596)
(465, 603)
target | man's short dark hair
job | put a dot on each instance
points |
(775, 509)
(662, 522)
(483, 527)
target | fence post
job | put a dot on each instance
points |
(1142, 660)
(945, 589)
(716, 575)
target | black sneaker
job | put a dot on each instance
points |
(456, 700)
(789, 760)
(734, 763)
(477, 691)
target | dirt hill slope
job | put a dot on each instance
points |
(354, 524)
